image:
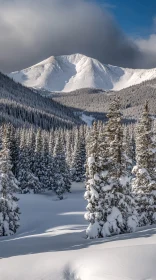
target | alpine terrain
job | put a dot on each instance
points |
(77, 140)
(70, 72)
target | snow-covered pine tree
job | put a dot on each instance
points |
(50, 167)
(118, 205)
(51, 142)
(62, 181)
(65, 169)
(126, 178)
(127, 152)
(79, 157)
(44, 158)
(30, 141)
(144, 183)
(133, 144)
(23, 163)
(93, 192)
(11, 141)
(69, 149)
(29, 183)
(87, 139)
(9, 210)
(14, 150)
(83, 146)
(47, 162)
(38, 169)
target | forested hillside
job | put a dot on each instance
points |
(96, 102)
(23, 106)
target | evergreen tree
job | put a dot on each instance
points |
(50, 167)
(23, 163)
(12, 145)
(38, 166)
(29, 183)
(47, 163)
(127, 153)
(62, 181)
(14, 150)
(144, 183)
(93, 192)
(30, 142)
(79, 157)
(51, 142)
(119, 206)
(9, 210)
(69, 150)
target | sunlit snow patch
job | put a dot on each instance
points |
(87, 119)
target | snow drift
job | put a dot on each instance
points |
(50, 244)
(70, 72)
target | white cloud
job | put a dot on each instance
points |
(32, 30)
(148, 45)
(148, 48)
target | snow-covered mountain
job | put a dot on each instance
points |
(70, 72)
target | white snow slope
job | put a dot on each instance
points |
(71, 72)
(51, 245)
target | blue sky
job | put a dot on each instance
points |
(134, 16)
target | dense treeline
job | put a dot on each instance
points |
(36, 156)
(36, 161)
(120, 180)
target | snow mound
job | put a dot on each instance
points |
(51, 244)
(70, 72)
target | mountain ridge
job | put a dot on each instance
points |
(70, 72)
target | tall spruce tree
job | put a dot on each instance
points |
(12, 145)
(62, 181)
(51, 143)
(94, 185)
(69, 150)
(127, 155)
(38, 166)
(29, 183)
(14, 150)
(30, 141)
(144, 183)
(79, 157)
(47, 163)
(9, 210)
(119, 206)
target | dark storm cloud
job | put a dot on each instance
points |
(32, 30)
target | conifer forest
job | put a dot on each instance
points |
(116, 161)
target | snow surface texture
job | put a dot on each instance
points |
(88, 119)
(70, 72)
(51, 245)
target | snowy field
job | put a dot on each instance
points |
(51, 245)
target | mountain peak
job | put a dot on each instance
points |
(70, 72)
